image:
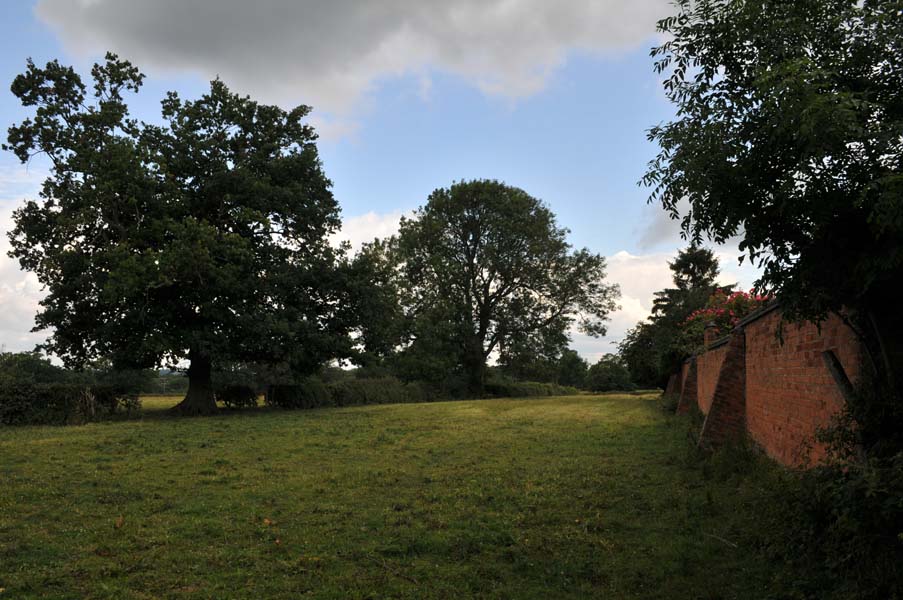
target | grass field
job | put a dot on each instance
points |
(570, 497)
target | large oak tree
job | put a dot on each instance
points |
(203, 237)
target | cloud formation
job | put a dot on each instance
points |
(330, 53)
(360, 229)
(20, 292)
(640, 276)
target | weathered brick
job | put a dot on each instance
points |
(777, 394)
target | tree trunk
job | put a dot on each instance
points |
(200, 399)
(475, 368)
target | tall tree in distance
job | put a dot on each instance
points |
(655, 348)
(204, 238)
(695, 268)
(486, 267)
(693, 272)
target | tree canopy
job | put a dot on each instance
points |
(487, 269)
(788, 134)
(201, 238)
(610, 374)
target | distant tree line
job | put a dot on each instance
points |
(202, 244)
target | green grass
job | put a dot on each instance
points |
(571, 497)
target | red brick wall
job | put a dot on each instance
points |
(674, 385)
(708, 365)
(688, 391)
(789, 390)
(726, 418)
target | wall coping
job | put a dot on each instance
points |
(757, 314)
(751, 317)
(719, 342)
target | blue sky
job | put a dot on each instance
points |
(408, 97)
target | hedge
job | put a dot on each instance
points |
(237, 396)
(313, 393)
(376, 390)
(27, 403)
(518, 389)
(310, 393)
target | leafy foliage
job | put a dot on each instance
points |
(29, 403)
(237, 396)
(567, 368)
(843, 537)
(610, 374)
(202, 238)
(571, 369)
(485, 267)
(309, 393)
(377, 390)
(723, 311)
(347, 391)
(500, 386)
(788, 135)
(31, 367)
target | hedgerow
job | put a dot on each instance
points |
(29, 403)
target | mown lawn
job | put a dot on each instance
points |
(572, 497)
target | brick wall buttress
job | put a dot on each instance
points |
(708, 366)
(726, 418)
(674, 385)
(689, 392)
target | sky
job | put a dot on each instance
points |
(408, 96)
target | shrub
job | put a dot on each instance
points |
(31, 367)
(237, 396)
(834, 531)
(846, 537)
(309, 393)
(507, 388)
(313, 393)
(377, 390)
(609, 375)
(27, 403)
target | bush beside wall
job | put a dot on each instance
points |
(376, 390)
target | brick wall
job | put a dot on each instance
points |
(688, 391)
(708, 367)
(726, 418)
(789, 390)
(778, 393)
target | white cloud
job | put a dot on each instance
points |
(364, 228)
(331, 53)
(20, 292)
(640, 276)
